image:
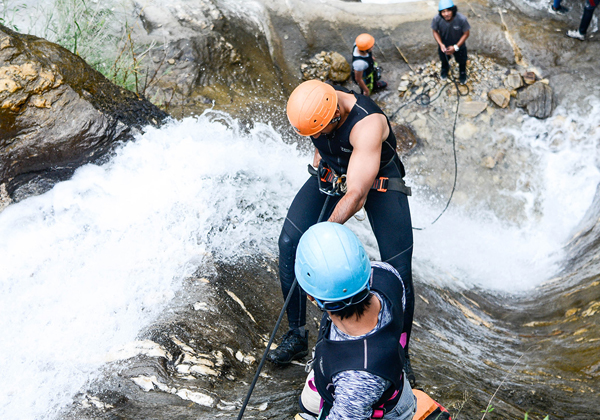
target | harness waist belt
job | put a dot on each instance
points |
(381, 184)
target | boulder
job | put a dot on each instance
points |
(405, 137)
(529, 78)
(488, 162)
(500, 97)
(340, 68)
(57, 113)
(513, 81)
(403, 86)
(472, 109)
(536, 99)
(326, 66)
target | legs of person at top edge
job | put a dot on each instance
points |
(586, 19)
(302, 214)
(445, 59)
(556, 7)
(461, 58)
(588, 13)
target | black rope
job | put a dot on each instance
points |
(285, 305)
(424, 99)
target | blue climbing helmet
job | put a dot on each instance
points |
(445, 4)
(331, 264)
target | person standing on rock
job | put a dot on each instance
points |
(451, 30)
(357, 370)
(586, 18)
(365, 72)
(357, 166)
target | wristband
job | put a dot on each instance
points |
(455, 47)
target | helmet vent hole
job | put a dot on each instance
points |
(308, 274)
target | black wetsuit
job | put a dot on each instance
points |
(388, 212)
(369, 76)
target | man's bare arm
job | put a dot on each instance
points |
(316, 158)
(366, 139)
(438, 39)
(358, 75)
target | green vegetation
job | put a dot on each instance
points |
(7, 16)
(92, 29)
(527, 417)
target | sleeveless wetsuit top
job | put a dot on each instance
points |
(335, 148)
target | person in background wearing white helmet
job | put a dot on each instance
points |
(355, 165)
(451, 30)
(358, 357)
(365, 72)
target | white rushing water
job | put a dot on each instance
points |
(87, 265)
(495, 254)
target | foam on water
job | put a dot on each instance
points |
(89, 264)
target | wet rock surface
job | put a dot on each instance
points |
(198, 361)
(57, 113)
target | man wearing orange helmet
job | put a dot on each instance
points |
(365, 72)
(357, 167)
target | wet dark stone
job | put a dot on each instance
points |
(57, 113)
(536, 99)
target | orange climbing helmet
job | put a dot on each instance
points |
(364, 42)
(311, 107)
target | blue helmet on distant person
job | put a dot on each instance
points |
(331, 263)
(445, 4)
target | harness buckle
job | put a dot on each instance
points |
(381, 184)
(331, 183)
(327, 175)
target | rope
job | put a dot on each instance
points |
(285, 305)
(424, 99)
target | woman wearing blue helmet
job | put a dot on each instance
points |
(358, 360)
(451, 30)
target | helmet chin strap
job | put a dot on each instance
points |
(337, 119)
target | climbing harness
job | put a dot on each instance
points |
(424, 99)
